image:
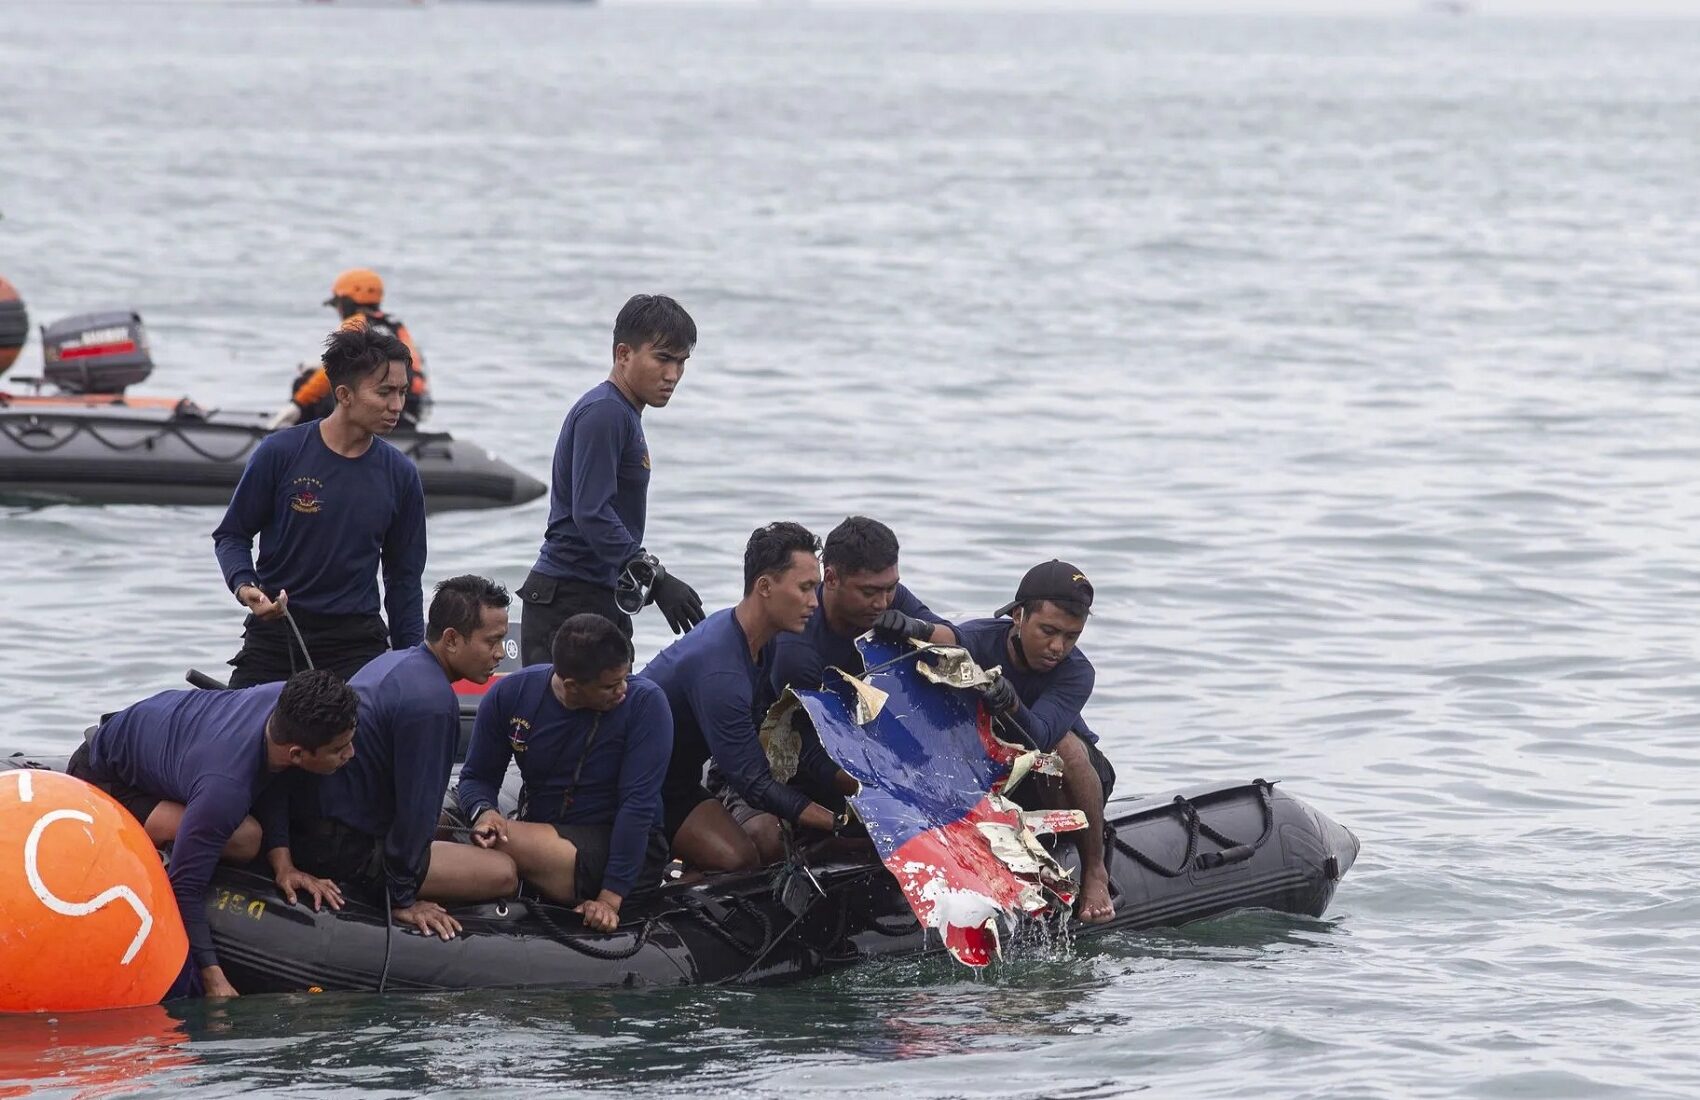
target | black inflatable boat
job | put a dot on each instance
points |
(88, 441)
(153, 451)
(1172, 860)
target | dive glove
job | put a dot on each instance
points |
(893, 623)
(999, 696)
(678, 601)
(644, 581)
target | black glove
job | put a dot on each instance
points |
(678, 601)
(893, 623)
(999, 696)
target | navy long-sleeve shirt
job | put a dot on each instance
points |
(800, 661)
(719, 696)
(404, 749)
(598, 490)
(1053, 700)
(610, 763)
(207, 750)
(327, 524)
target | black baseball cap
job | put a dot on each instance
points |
(1052, 580)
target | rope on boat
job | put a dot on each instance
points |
(19, 435)
(1232, 851)
(583, 946)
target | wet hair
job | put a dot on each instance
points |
(654, 319)
(314, 709)
(460, 602)
(770, 548)
(354, 353)
(586, 646)
(860, 545)
(1067, 607)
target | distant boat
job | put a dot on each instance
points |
(1448, 7)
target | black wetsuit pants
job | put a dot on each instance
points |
(341, 643)
(550, 601)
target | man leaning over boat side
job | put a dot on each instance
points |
(716, 680)
(373, 822)
(332, 505)
(192, 766)
(1045, 684)
(599, 489)
(860, 590)
(592, 746)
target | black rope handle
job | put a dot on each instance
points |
(585, 947)
(36, 426)
(1232, 851)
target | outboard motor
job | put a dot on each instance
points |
(14, 325)
(96, 352)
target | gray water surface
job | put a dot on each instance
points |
(1354, 361)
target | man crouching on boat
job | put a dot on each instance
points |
(593, 748)
(717, 684)
(373, 822)
(1045, 684)
(860, 591)
(192, 765)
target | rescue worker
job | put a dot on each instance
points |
(357, 295)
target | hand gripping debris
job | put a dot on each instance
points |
(934, 777)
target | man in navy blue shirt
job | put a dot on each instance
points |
(592, 748)
(192, 765)
(718, 688)
(374, 821)
(593, 558)
(1044, 686)
(331, 504)
(860, 591)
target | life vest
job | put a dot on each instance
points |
(379, 321)
(312, 388)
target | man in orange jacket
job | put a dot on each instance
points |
(357, 295)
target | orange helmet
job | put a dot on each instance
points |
(361, 285)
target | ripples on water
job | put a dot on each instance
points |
(1353, 361)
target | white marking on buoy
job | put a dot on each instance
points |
(81, 908)
(26, 792)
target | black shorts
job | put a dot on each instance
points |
(547, 602)
(330, 849)
(342, 643)
(139, 802)
(677, 804)
(591, 864)
(1027, 794)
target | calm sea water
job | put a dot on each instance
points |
(1354, 361)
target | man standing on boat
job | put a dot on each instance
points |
(374, 822)
(1045, 684)
(332, 504)
(717, 684)
(593, 559)
(592, 746)
(860, 591)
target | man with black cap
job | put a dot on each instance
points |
(1044, 686)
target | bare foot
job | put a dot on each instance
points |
(1095, 906)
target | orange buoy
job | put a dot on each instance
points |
(14, 325)
(87, 917)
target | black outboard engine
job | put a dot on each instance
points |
(14, 325)
(96, 352)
